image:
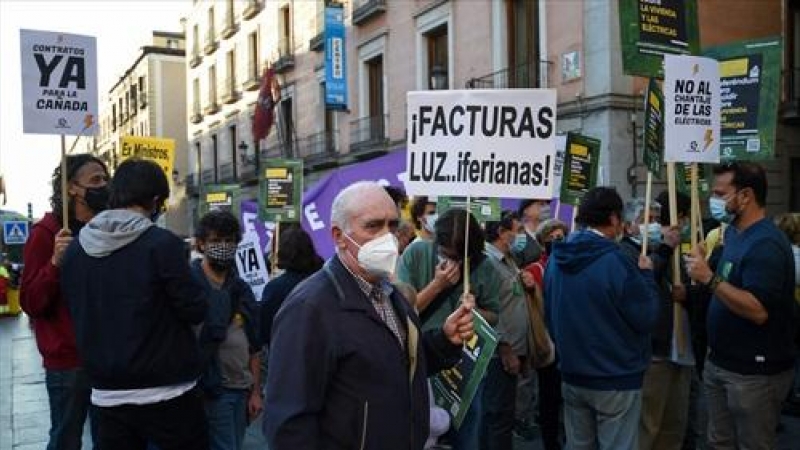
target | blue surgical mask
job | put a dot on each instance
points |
(653, 232)
(520, 241)
(544, 213)
(430, 223)
(719, 210)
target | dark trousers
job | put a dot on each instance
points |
(175, 424)
(68, 393)
(549, 405)
(499, 399)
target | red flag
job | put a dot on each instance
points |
(268, 96)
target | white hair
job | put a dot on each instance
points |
(347, 201)
(634, 209)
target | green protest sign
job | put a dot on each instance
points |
(581, 162)
(220, 197)
(280, 190)
(683, 178)
(650, 29)
(654, 128)
(454, 388)
(484, 209)
(750, 83)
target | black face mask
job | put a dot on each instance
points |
(96, 198)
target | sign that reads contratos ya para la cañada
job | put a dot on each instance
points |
(59, 82)
(692, 105)
(482, 143)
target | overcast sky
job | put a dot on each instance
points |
(121, 28)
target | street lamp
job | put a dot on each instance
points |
(438, 77)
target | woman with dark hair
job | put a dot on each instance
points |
(298, 258)
(67, 386)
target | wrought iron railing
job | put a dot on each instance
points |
(525, 75)
(318, 144)
(226, 173)
(369, 131)
(209, 176)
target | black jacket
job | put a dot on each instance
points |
(275, 293)
(133, 312)
(338, 377)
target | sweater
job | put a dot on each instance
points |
(42, 300)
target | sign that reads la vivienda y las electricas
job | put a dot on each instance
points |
(482, 143)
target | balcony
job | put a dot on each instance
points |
(317, 43)
(285, 60)
(790, 108)
(364, 10)
(211, 43)
(212, 107)
(318, 148)
(227, 173)
(522, 76)
(196, 117)
(252, 9)
(197, 58)
(229, 92)
(368, 135)
(231, 26)
(253, 80)
(208, 177)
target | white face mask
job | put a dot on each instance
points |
(378, 256)
(430, 222)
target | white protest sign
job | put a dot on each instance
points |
(251, 265)
(692, 104)
(59, 82)
(482, 143)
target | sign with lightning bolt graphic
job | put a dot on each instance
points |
(692, 109)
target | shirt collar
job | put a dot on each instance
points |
(366, 287)
(494, 252)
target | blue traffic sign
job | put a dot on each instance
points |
(15, 232)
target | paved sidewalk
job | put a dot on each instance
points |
(24, 412)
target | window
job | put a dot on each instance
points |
(232, 139)
(196, 96)
(215, 157)
(198, 161)
(212, 85)
(523, 49)
(134, 98)
(375, 97)
(196, 40)
(328, 123)
(436, 40)
(172, 43)
(231, 61)
(114, 117)
(211, 22)
(285, 24)
(252, 55)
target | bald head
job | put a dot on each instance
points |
(353, 200)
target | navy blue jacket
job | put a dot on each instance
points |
(275, 293)
(338, 377)
(600, 309)
(133, 312)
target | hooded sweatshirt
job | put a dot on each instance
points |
(133, 300)
(600, 309)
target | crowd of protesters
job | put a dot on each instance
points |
(604, 342)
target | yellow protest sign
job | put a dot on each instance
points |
(161, 151)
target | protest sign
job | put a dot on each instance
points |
(683, 178)
(59, 82)
(650, 29)
(750, 84)
(484, 209)
(251, 264)
(248, 210)
(654, 128)
(481, 143)
(280, 190)
(161, 151)
(220, 197)
(692, 123)
(454, 388)
(581, 163)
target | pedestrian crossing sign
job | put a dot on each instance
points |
(15, 232)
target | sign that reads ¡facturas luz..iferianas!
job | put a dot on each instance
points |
(482, 143)
(692, 105)
(59, 82)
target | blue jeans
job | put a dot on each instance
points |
(499, 399)
(601, 420)
(69, 393)
(227, 419)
